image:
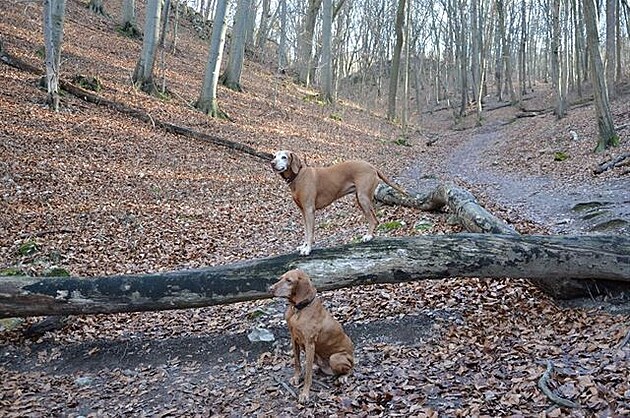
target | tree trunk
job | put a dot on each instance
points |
(207, 101)
(379, 261)
(305, 43)
(522, 53)
(97, 7)
(611, 49)
(129, 24)
(395, 68)
(263, 27)
(282, 45)
(460, 202)
(54, 14)
(326, 63)
(143, 73)
(232, 76)
(560, 110)
(498, 62)
(607, 135)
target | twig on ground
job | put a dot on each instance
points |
(624, 341)
(543, 385)
(607, 165)
(322, 384)
(284, 385)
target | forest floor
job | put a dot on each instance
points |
(96, 192)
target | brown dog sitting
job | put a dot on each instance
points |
(315, 188)
(313, 330)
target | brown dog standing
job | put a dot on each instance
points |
(313, 330)
(315, 188)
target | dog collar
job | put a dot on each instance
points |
(289, 179)
(304, 303)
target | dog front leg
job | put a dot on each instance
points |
(309, 231)
(297, 365)
(309, 354)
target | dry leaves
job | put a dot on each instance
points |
(93, 192)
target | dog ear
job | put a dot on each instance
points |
(295, 163)
(304, 288)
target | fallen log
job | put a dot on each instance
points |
(612, 163)
(379, 261)
(135, 113)
(470, 214)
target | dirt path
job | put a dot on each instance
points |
(559, 205)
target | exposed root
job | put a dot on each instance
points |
(285, 386)
(543, 385)
(624, 341)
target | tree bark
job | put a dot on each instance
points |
(305, 43)
(326, 63)
(207, 101)
(129, 24)
(560, 110)
(611, 48)
(143, 73)
(54, 15)
(379, 261)
(607, 135)
(460, 202)
(97, 7)
(395, 69)
(232, 76)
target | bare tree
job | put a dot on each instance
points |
(231, 78)
(282, 44)
(395, 69)
(305, 43)
(128, 23)
(560, 109)
(54, 15)
(143, 73)
(611, 49)
(97, 7)
(607, 135)
(326, 63)
(522, 51)
(207, 101)
(263, 27)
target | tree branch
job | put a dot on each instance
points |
(543, 385)
(385, 260)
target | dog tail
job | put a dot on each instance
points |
(390, 183)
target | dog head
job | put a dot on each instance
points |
(294, 285)
(287, 163)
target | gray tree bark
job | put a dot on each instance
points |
(561, 105)
(611, 48)
(97, 7)
(378, 261)
(231, 78)
(129, 23)
(207, 101)
(607, 135)
(326, 59)
(282, 45)
(263, 27)
(305, 43)
(54, 15)
(395, 68)
(143, 73)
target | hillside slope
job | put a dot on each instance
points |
(93, 191)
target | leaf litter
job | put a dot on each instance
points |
(96, 193)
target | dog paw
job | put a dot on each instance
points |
(367, 237)
(304, 249)
(303, 398)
